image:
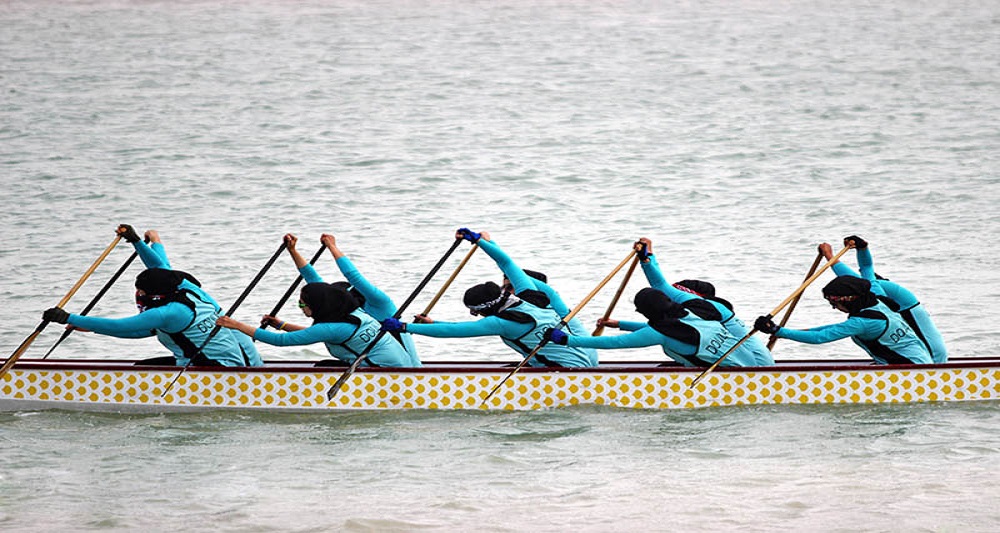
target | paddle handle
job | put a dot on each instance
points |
(294, 285)
(90, 306)
(560, 325)
(447, 283)
(618, 294)
(776, 310)
(31, 338)
(788, 312)
(809, 281)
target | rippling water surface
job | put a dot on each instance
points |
(736, 134)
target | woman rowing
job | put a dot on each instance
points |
(518, 317)
(874, 327)
(683, 335)
(686, 291)
(174, 308)
(339, 320)
(529, 280)
(897, 297)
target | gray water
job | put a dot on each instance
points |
(736, 134)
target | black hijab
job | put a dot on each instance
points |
(663, 315)
(329, 303)
(162, 286)
(702, 288)
(852, 292)
(485, 299)
(351, 289)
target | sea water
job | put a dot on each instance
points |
(737, 135)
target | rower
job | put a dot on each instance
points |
(897, 297)
(518, 317)
(686, 291)
(874, 327)
(174, 308)
(339, 320)
(680, 331)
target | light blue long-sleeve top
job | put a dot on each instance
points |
(388, 353)
(752, 349)
(861, 328)
(642, 335)
(377, 304)
(509, 329)
(172, 317)
(907, 301)
(521, 281)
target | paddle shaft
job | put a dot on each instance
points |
(788, 312)
(294, 285)
(100, 294)
(31, 338)
(562, 323)
(332, 391)
(447, 283)
(618, 294)
(232, 310)
(776, 310)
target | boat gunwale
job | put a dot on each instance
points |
(496, 367)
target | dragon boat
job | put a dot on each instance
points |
(119, 385)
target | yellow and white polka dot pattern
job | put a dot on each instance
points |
(306, 390)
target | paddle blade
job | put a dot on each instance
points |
(333, 390)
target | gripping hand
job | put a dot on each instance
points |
(556, 335)
(764, 324)
(128, 233)
(55, 314)
(467, 234)
(393, 325)
(642, 250)
(859, 243)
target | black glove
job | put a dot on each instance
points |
(55, 314)
(642, 250)
(556, 335)
(764, 324)
(859, 243)
(128, 233)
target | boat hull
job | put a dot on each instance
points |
(300, 386)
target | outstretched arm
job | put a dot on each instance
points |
(377, 303)
(654, 275)
(152, 255)
(839, 268)
(519, 280)
(474, 328)
(307, 271)
(854, 326)
(171, 317)
(646, 336)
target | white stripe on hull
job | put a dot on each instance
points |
(299, 386)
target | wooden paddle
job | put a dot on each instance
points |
(788, 312)
(232, 310)
(90, 306)
(447, 283)
(332, 391)
(618, 294)
(778, 309)
(41, 326)
(562, 323)
(295, 284)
